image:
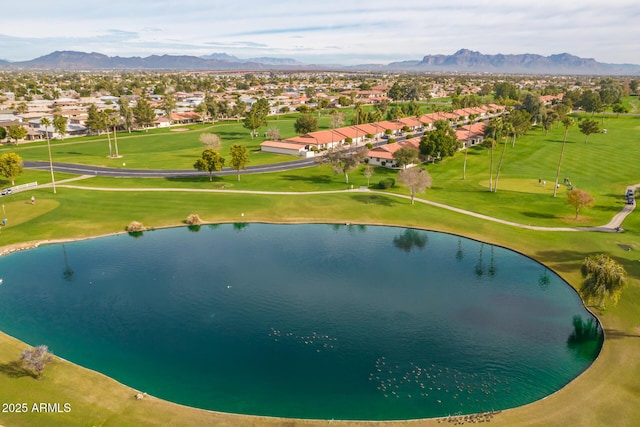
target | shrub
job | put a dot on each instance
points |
(369, 136)
(409, 136)
(193, 219)
(391, 141)
(369, 145)
(135, 226)
(387, 132)
(348, 140)
(386, 183)
(35, 359)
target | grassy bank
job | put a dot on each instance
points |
(96, 400)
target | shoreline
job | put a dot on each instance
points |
(274, 420)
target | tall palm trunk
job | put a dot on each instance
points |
(115, 140)
(564, 140)
(109, 139)
(504, 149)
(491, 169)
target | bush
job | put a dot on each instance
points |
(391, 141)
(387, 132)
(135, 226)
(193, 219)
(409, 136)
(35, 359)
(369, 136)
(386, 183)
(348, 140)
(369, 145)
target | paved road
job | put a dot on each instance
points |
(161, 173)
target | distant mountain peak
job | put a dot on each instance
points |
(463, 60)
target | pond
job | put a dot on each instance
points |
(307, 321)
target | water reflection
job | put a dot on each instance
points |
(478, 269)
(194, 228)
(544, 280)
(349, 227)
(239, 226)
(68, 272)
(586, 337)
(459, 252)
(410, 239)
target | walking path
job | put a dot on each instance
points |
(612, 227)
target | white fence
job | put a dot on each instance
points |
(23, 186)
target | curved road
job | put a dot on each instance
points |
(77, 169)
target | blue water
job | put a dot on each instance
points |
(309, 321)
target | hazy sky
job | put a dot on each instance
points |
(324, 31)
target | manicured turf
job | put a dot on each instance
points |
(603, 395)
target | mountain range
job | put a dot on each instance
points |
(464, 60)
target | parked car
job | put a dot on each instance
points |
(630, 200)
(629, 193)
(6, 191)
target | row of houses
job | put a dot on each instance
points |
(308, 145)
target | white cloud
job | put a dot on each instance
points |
(372, 30)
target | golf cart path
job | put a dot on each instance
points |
(612, 227)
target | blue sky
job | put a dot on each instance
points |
(323, 32)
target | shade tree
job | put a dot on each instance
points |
(211, 161)
(579, 199)
(603, 278)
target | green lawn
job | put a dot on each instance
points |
(601, 396)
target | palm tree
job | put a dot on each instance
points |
(46, 123)
(567, 122)
(508, 130)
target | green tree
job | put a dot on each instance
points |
(619, 109)
(239, 158)
(405, 156)
(396, 92)
(587, 127)
(211, 161)
(306, 123)
(168, 104)
(11, 166)
(60, 125)
(94, 120)
(520, 120)
(440, 142)
(579, 199)
(532, 104)
(126, 113)
(417, 180)
(604, 278)
(3, 133)
(256, 117)
(144, 114)
(16, 132)
(548, 120)
(504, 91)
(567, 123)
(491, 144)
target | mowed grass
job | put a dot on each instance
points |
(95, 400)
(604, 166)
(177, 147)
